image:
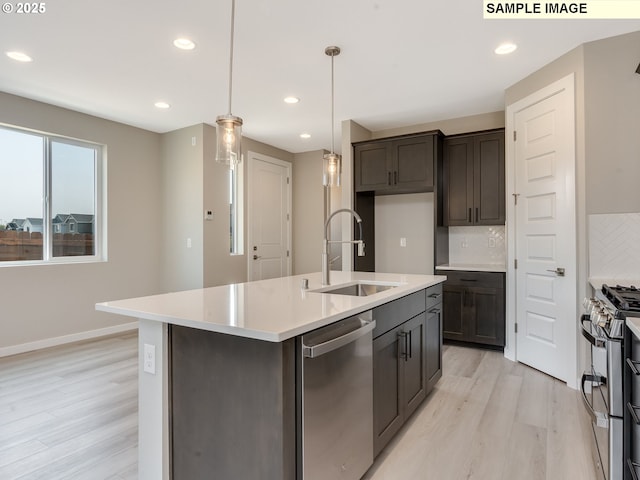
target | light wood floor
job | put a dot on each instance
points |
(491, 419)
(71, 413)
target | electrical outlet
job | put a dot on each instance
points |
(208, 215)
(149, 358)
(403, 242)
(492, 242)
(464, 243)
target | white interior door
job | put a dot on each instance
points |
(269, 217)
(545, 231)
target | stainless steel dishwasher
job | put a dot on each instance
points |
(336, 400)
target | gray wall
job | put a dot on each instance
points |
(41, 302)
(221, 268)
(450, 126)
(192, 183)
(308, 211)
(409, 216)
(612, 124)
(182, 211)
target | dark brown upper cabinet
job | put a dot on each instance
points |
(474, 179)
(398, 165)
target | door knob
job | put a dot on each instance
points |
(558, 271)
(255, 257)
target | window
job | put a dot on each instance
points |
(50, 200)
(236, 219)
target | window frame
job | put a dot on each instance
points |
(99, 189)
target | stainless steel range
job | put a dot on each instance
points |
(603, 392)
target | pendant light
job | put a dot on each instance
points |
(229, 127)
(331, 162)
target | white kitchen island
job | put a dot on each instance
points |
(264, 312)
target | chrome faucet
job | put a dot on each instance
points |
(326, 242)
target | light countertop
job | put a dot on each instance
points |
(597, 282)
(474, 267)
(634, 325)
(272, 310)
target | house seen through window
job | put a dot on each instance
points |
(50, 207)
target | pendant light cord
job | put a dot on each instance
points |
(233, 14)
(332, 108)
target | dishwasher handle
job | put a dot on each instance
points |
(335, 343)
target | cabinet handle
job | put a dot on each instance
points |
(435, 295)
(395, 177)
(468, 279)
(476, 214)
(389, 179)
(403, 336)
(434, 310)
(410, 342)
(469, 214)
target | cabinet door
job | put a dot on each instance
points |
(414, 363)
(413, 163)
(458, 181)
(434, 346)
(453, 312)
(372, 166)
(489, 201)
(486, 319)
(388, 382)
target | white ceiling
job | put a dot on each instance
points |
(403, 62)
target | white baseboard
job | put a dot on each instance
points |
(74, 337)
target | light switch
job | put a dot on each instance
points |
(208, 215)
(189, 242)
(403, 242)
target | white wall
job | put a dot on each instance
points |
(47, 304)
(408, 216)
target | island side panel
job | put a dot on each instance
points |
(153, 403)
(232, 406)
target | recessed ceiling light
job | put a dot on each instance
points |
(291, 100)
(19, 56)
(305, 135)
(505, 48)
(162, 105)
(184, 44)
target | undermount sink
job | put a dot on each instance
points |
(359, 289)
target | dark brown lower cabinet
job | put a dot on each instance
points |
(407, 360)
(474, 308)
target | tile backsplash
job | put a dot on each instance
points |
(477, 245)
(613, 245)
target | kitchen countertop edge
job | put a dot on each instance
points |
(634, 325)
(352, 305)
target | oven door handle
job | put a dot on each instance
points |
(586, 333)
(599, 418)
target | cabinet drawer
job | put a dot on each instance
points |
(434, 295)
(392, 314)
(470, 279)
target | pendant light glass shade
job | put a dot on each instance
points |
(229, 140)
(331, 170)
(229, 127)
(331, 162)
